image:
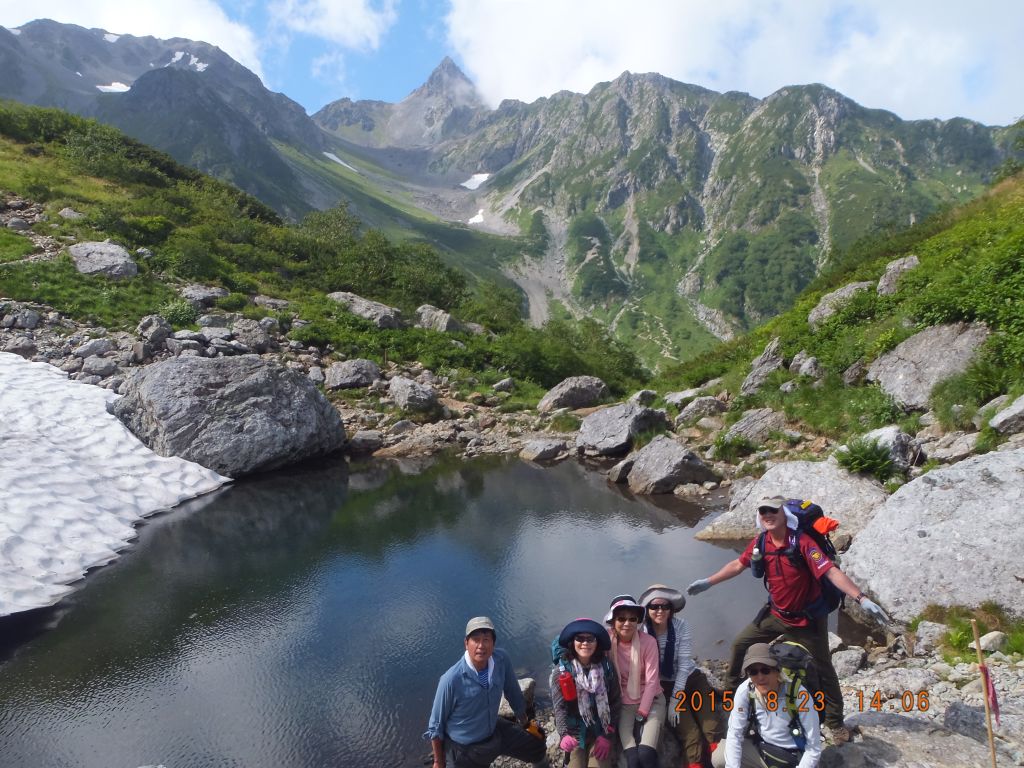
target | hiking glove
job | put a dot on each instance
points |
(568, 743)
(874, 611)
(673, 712)
(700, 585)
(602, 747)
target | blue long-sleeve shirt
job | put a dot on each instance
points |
(464, 711)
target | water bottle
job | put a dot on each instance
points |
(567, 684)
(757, 563)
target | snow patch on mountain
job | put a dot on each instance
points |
(114, 87)
(474, 181)
(339, 161)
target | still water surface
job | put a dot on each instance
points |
(303, 619)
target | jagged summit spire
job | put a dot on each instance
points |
(449, 82)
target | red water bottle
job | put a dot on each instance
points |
(567, 684)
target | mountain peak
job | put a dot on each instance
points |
(449, 83)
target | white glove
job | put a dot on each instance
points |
(673, 713)
(874, 611)
(700, 585)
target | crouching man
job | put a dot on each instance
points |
(464, 728)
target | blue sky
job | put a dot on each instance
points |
(918, 58)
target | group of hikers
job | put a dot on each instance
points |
(620, 681)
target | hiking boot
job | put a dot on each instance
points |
(839, 734)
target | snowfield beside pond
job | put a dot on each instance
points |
(474, 181)
(73, 483)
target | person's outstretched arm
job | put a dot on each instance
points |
(726, 572)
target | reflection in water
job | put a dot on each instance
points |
(302, 619)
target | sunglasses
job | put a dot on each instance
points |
(759, 670)
(658, 607)
(627, 619)
(767, 511)
(585, 639)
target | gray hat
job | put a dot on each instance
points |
(674, 596)
(479, 622)
(759, 653)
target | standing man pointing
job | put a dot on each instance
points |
(793, 566)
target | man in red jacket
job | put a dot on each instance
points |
(794, 593)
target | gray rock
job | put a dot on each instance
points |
(953, 447)
(756, 425)
(270, 303)
(894, 270)
(381, 315)
(433, 319)
(202, 296)
(610, 431)
(18, 224)
(365, 441)
(849, 661)
(1009, 421)
(412, 396)
(663, 464)
(679, 399)
(979, 561)
(217, 320)
(798, 359)
(988, 410)
(401, 427)
(25, 319)
(543, 450)
(105, 259)
(252, 334)
(505, 385)
(141, 352)
(643, 397)
(811, 368)
(789, 386)
(99, 366)
(619, 473)
(832, 302)
(70, 214)
(352, 374)
(235, 415)
(23, 346)
(574, 392)
(92, 347)
(316, 374)
(770, 360)
(835, 642)
(990, 642)
(213, 332)
(904, 450)
(178, 346)
(850, 499)
(928, 637)
(698, 408)
(910, 371)
(855, 373)
(154, 329)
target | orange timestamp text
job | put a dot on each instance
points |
(715, 701)
(908, 701)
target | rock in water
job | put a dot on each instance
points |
(235, 415)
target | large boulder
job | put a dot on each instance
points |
(433, 319)
(379, 314)
(410, 395)
(202, 296)
(950, 537)
(252, 334)
(910, 371)
(904, 451)
(698, 408)
(610, 431)
(663, 464)
(574, 392)
(352, 374)
(756, 425)
(107, 259)
(850, 499)
(894, 270)
(832, 302)
(1010, 420)
(235, 415)
(767, 362)
(154, 329)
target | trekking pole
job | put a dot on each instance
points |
(985, 684)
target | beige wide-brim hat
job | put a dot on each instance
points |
(674, 596)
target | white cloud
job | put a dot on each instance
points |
(357, 24)
(918, 58)
(192, 19)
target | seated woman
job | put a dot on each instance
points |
(766, 729)
(585, 693)
(690, 697)
(635, 656)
